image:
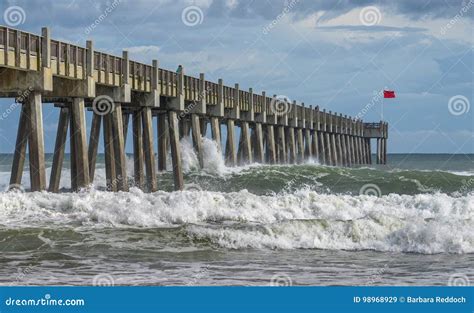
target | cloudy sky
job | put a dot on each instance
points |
(335, 54)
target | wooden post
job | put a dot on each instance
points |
(308, 151)
(197, 139)
(271, 151)
(369, 151)
(119, 148)
(163, 140)
(58, 157)
(175, 151)
(245, 146)
(315, 146)
(258, 144)
(94, 144)
(109, 153)
(78, 131)
(282, 148)
(138, 134)
(299, 133)
(20, 148)
(147, 121)
(322, 148)
(126, 121)
(230, 154)
(216, 131)
(328, 146)
(339, 149)
(292, 144)
(36, 142)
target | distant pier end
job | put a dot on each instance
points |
(37, 69)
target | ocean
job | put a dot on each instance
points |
(410, 222)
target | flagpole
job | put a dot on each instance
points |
(381, 109)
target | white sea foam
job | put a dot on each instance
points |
(428, 223)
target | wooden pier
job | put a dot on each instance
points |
(36, 69)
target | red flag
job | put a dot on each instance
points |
(389, 94)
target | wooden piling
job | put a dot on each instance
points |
(78, 131)
(110, 172)
(299, 136)
(20, 148)
(230, 153)
(163, 141)
(36, 142)
(246, 145)
(138, 158)
(119, 148)
(282, 148)
(59, 147)
(270, 144)
(258, 144)
(216, 131)
(94, 144)
(292, 145)
(308, 144)
(197, 139)
(147, 120)
(175, 151)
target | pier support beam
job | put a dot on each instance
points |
(163, 140)
(281, 142)
(322, 148)
(230, 153)
(110, 172)
(36, 142)
(175, 151)
(308, 148)
(119, 148)
(78, 133)
(245, 146)
(20, 148)
(147, 120)
(258, 144)
(314, 143)
(94, 144)
(300, 157)
(292, 144)
(334, 160)
(138, 159)
(60, 145)
(270, 145)
(197, 139)
(216, 131)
